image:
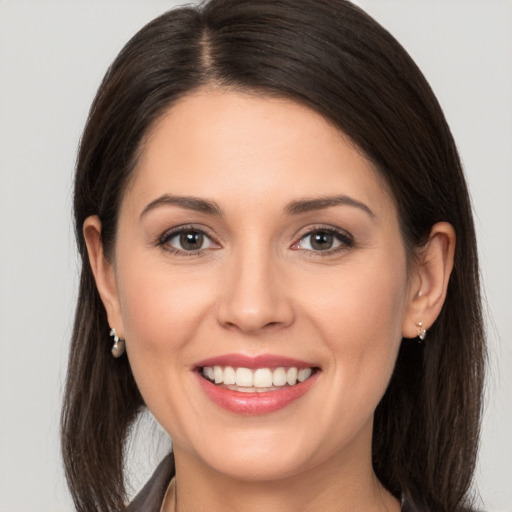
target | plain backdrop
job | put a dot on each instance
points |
(52, 57)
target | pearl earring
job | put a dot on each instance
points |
(118, 348)
(422, 333)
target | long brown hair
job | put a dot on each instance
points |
(332, 57)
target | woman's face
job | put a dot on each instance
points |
(257, 247)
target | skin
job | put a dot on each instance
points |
(257, 286)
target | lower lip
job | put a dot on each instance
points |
(255, 403)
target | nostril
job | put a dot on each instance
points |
(265, 316)
(253, 297)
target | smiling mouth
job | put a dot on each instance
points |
(258, 380)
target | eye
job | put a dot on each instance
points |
(324, 240)
(186, 240)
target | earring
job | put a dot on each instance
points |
(422, 333)
(118, 347)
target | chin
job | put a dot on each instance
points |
(261, 454)
(259, 467)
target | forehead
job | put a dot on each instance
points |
(216, 142)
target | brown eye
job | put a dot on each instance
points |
(187, 241)
(191, 240)
(324, 240)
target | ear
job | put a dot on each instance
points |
(104, 273)
(429, 279)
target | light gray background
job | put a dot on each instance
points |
(52, 57)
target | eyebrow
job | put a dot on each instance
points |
(294, 208)
(187, 202)
(320, 203)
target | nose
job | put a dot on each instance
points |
(254, 297)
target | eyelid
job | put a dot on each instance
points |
(345, 238)
(175, 231)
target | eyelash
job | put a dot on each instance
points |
(169, 235)
(346, 240)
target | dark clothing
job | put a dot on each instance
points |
(151, 497)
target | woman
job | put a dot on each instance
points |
(274, 224)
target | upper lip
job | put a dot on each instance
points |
(253, 362)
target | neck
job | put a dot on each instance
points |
(341, 484)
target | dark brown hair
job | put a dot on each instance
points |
(332, 57)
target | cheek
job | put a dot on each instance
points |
(360, 299)
(157, 304)
(360, 315)
(161, 309)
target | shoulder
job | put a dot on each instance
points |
(151, 496)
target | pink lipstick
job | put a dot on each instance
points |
(255, 385)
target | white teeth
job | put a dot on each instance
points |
(218, 374)
(279, 377)
(291, 376)
(229, 375)
(208, 372)
(261, 379)
(244, 377)
(247, 390)
(304, 373)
